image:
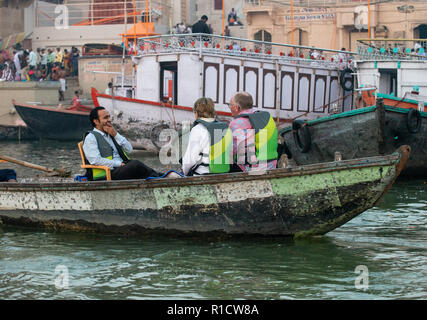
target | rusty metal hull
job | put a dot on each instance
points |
(302, 201)
(365, 132)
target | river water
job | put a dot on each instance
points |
(381, 254)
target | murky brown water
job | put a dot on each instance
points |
(379, 255)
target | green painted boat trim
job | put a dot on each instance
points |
(388, 96)
(353, 113)
(305, 184)
(330, 225)
(403, 110)
(335, 116)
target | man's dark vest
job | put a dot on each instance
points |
(106, 151)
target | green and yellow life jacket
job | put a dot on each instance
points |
(106, 151)
(265, 134)
(220, 155)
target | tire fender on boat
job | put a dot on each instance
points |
(344, 80)
(303, 143)
(282, 148)
(413, 121)
(155, 134)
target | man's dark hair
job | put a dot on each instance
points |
(110, 84)
(94, 115)
(205, 17)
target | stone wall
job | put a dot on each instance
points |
(11, 20)
(88, 79)
(43, 93)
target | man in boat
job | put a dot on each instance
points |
(254, 136)
(209, 143)
(201, 26)
(7, 175)
(109, 89)
(104, 146)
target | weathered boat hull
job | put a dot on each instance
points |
(303, 201)
(55, 124)
(364, 132)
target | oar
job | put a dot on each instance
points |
(60, 171)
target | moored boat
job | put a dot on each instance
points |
(364, 132)
(63, 124)
(301, 201)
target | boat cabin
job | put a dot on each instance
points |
(288, 81)
(392, 67)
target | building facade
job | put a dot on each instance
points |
(12, 17)
(213, 9)
(334, 24)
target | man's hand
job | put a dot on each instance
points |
(110, 130)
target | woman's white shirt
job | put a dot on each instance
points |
(199, 142)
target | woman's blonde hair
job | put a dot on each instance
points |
(204, 107)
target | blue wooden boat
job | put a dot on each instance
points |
(54, 123)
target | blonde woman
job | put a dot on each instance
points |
(209, 143)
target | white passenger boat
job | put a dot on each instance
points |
(393, 69)
(173, 71)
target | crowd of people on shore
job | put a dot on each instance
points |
(43, 64)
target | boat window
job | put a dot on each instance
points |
(169, 82)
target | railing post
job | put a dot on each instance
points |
(91, 12)
(380, 118)
(37, 13)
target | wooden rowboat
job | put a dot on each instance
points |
(364, 132)
(301, 201)
(54, 123)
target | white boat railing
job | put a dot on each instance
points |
(392, 49)
(230, 46)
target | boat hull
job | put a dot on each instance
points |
(271, 204)
(16, 133)
(364, 132)
(55, 124)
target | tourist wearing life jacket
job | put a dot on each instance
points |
(254, 135)
(104, 146)
(209, 144)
